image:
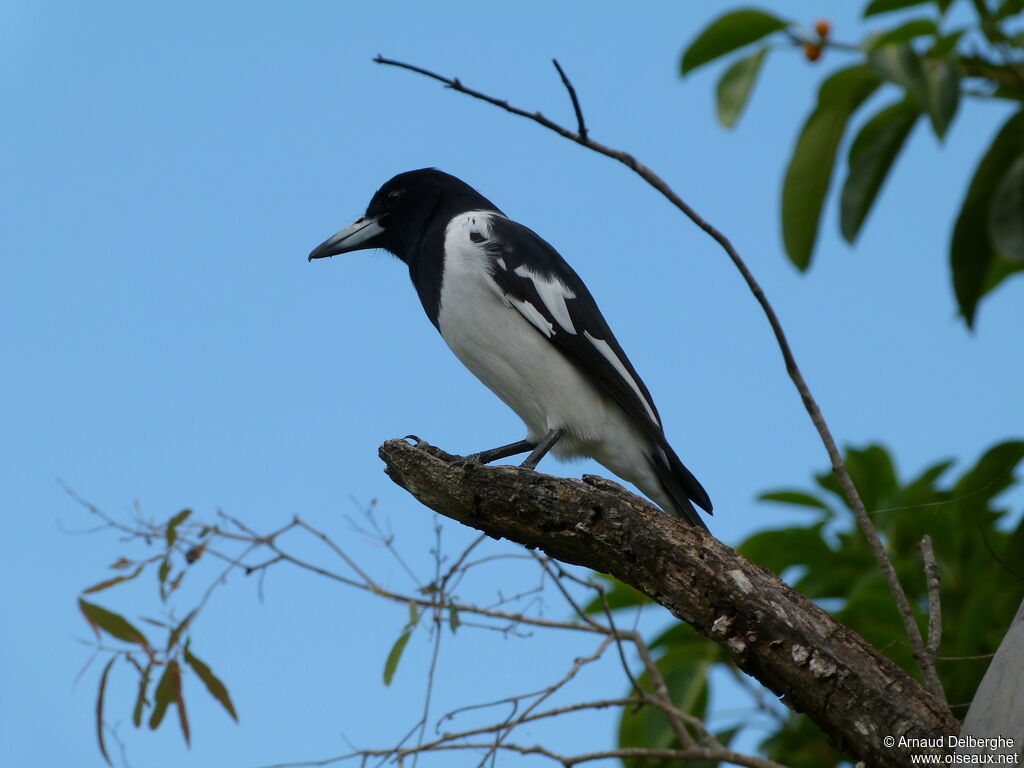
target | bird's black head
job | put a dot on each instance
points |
(400, 212)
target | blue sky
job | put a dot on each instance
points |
(168, 167)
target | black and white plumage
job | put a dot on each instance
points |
(518, 316)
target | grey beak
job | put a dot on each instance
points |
(355, 236)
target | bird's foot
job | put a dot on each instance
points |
(433, 450)
(469, 459)
(541, 449)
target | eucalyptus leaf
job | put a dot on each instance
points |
(213, 684)
(112, 623)
(394, 656)
(100, 698)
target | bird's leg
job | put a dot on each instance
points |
(501, 452)
(542, 448)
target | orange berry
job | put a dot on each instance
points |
(822, 27)
(812, 52)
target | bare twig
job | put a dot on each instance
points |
(568, 761)
(931, 572)
(810, 404)
(662, 698)
(581, 126)
(505, 729)
(525, 708)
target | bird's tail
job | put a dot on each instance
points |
(679, 485)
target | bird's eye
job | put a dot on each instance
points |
(393, 198)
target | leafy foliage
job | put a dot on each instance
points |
(395, 654)
(975, 542)
(186, 543)
(931, 66)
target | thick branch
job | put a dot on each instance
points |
(821, 668)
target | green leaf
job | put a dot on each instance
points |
(1006, 214)
(810, 168)
(163, 695)
(933, 83)
(904, 32)
(687, 681)
(795, 498)
(871, 156)
(874, 474)
(213, 684)
(942, 93)
(396, 650)
(179, 699)
(140, 699)
(992, 474)
(780, 549)
(1008, 8)
(111, 582)
(112, 623)
(682, 640)
(900, 64)
(727, 33)
(175, 634)
(171, 531)
(977, 268)
(395, 655)
(735, 86)
(100, 696)
(944, 44)
(453, 617)
(884, 6)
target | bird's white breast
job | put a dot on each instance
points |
(507, 350)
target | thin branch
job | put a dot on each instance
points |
(618, 640)
(931, 572)
(336, 549)
(662, 698)
(505, 729)
(461, 559)
(682, 755)
(581, 126)
(432, 669)
(810, 404)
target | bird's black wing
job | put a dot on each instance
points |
(538, 282)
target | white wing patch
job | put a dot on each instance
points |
(531, 313)
(603, 347)
(554, 293)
